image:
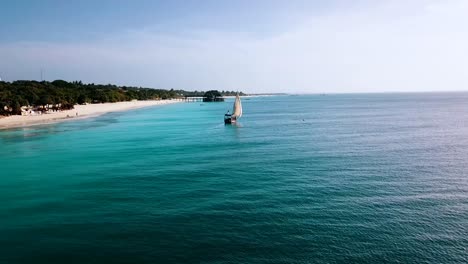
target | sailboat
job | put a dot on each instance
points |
(236, 112)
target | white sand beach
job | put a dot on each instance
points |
(80, 111)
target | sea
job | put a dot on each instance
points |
(332, 178)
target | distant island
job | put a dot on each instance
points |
(18, 97)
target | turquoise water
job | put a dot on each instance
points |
(302, 179)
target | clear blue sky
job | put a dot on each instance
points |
(60, 20)
(256, 46)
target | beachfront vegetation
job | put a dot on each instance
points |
(202, 93)
(213, 96)
(63, 95)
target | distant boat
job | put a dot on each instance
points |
(236, 112)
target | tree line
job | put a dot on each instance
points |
(63, 95)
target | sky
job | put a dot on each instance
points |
(256, 46)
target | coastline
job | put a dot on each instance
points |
(83, 111)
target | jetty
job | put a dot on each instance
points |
(192, 99)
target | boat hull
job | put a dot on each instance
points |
(228, 119)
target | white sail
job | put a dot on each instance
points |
(237, 110)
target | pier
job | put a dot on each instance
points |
(192, 99)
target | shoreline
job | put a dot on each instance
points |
(78, 113)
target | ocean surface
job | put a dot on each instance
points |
(363, 178)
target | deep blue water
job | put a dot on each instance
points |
(302, 179)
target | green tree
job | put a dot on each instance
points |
(213, 96)
(45, 100)
(82, 99)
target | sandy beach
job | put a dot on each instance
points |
(80, 111)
